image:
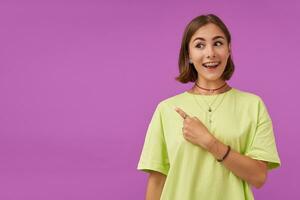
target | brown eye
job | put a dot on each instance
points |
(218, 43)
(200, 46)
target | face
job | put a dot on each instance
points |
(209, 52)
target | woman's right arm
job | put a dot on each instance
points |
(155, 185)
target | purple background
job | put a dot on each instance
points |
(79, 81)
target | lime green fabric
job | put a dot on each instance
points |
(238, 118)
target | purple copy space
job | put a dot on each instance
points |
(79, 81)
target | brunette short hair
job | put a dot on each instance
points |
(187, 71)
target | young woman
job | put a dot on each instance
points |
(212, 142)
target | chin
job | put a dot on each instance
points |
(212, 78)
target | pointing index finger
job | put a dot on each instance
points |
(181, 112)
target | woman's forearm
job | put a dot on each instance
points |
(155, 185)
(251, 170)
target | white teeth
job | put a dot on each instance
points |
(211, 64)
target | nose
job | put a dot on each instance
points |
(210, 52)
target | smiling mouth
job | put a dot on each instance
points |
(211, 65)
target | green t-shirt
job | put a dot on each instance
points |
(239, 119)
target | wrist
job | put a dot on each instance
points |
(217, 148)
(226, 154)
(211, 145)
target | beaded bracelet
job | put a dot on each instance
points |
(226, 154)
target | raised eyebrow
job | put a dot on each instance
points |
(218, 37)
(214, 38)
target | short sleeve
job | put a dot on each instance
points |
(263, 145)
(154, 154)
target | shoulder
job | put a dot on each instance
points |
(169, 103)
(247, 97)
(250, 101)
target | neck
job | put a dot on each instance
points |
(210, 85)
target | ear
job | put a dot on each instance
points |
(229, 48)
(190, 59)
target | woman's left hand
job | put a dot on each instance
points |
(194, 130)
